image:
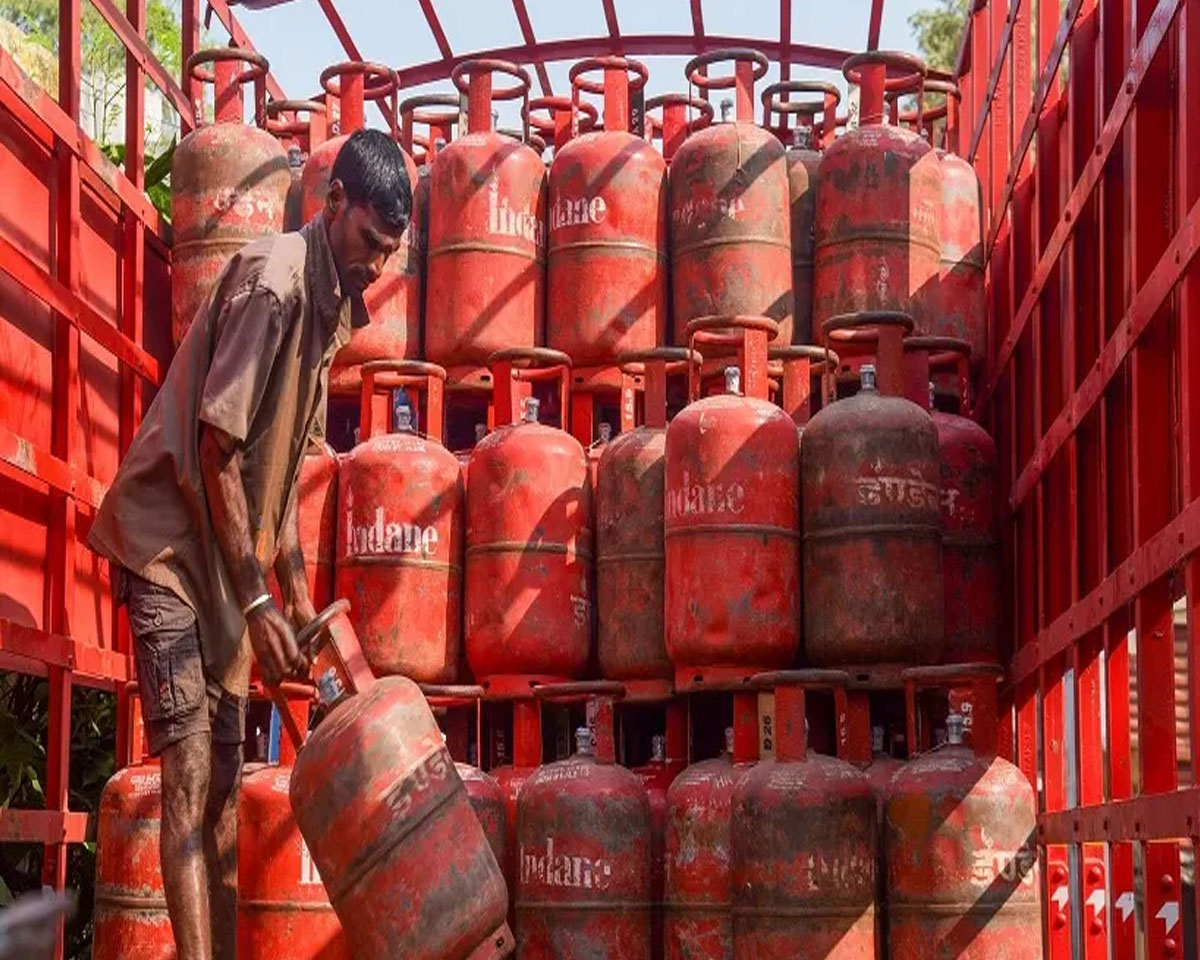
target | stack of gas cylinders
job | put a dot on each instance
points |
(662, 483)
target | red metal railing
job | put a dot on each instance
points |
(1091, 181)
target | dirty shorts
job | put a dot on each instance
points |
(178, 699)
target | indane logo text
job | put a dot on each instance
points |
(576, 211)
(504, 220)
(562, 870)
(696, 499)
(388, 537)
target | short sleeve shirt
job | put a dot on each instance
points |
(255, 364)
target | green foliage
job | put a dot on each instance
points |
(24, 733)
(158, 174)
(938, 31)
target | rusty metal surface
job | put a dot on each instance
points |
(730, 236)
(488, 801)
(229, 185)
(970, 549)
(872, 534)
(732, 533)
(393, 301)
(583, 880)
(657, 776)
(131, 921)
(528, 556)
(631, 557)
(607, 249)
(392, 832)
(956, 306)
(961, 863)
(399, 554)
(803, 167)
(283, 910)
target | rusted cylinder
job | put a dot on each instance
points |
(959, 841)
(877, 237)
(871, 489)
(630, 550)
(300, 137)
(804, 842)
(732, 522)
(526, 758)
(583, 833)
(400, 532)
(229, 182)
(730, 235)
(803, 162)
(698, 924)
(606, 269)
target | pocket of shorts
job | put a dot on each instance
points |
(167, 647)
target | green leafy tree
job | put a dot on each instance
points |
(938, 31)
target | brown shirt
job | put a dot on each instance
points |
(254, 363)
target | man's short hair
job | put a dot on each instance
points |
(371, 168)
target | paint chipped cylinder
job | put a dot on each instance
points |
(392, 832)
(229, 184)
(583, 835)
(130, 920)
(804, 842)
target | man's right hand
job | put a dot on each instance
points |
(274, 644)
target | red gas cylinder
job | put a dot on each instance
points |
(400, 532)
(394, 300)
(970, 554)
(872, 518)
(803, 160)
(526, 758)
(730, 236)
(229, 182)
(804, 373)
(130, 921)
(804, 842)
(732, 526)
(567, 118)
(656, 777)
(384, 813)
(606, 271)
(316, 518)
(962, 868)
(528, 558)
(300, 137)
(698, 924)
(583, 835)
(682, 115)
(487, 233)
(630, 552)
(877, 240)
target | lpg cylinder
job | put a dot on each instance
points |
(130, 920)
(630, 552)
(797, 367)
(656, 777)
(682, 115)
(877, 240)
(567, 117)
(970, 555)
(229, 182)
(393, 301)
(487, 234)
(732, 521)
(804, 842)
(697, 892)
(606, 270)
(583, 835)
(316, 520)
(803, 160)
(528, 557)
(962, 867)
(730, 235)
(400, 533)
(390, 827)
(871, 492)
(303, 136)
(526, 758)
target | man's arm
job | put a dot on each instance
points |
(290, 570)
(271, 635)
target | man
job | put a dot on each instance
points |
(205, 503)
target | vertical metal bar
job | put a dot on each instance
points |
(190, 29)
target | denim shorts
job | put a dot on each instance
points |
(179, 700)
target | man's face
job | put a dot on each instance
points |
(361, 241)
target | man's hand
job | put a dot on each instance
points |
(274, 645)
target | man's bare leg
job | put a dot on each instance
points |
(220, 846)
(186, 768)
